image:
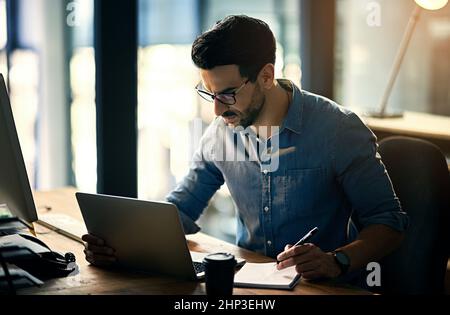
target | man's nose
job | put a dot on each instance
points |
(219, 107)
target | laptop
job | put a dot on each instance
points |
(147, 236)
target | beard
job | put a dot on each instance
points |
(248, 117)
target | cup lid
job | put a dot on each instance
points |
(220, 258)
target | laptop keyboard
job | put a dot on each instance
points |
(198, 267)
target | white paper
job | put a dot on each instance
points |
(266, 275)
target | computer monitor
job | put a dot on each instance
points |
(15, 189)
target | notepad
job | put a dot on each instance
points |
(266, 275)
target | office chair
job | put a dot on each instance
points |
(421, 180)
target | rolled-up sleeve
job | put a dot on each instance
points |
(192, 194)
(364, 178)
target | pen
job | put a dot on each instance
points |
(305, 238)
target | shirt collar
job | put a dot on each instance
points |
(293, 119)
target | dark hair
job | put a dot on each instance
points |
(236, 40)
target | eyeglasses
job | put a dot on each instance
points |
(228, 98)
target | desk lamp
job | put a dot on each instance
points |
(420, 4)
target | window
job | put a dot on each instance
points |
(82, 90)
(52, 89)
(21, 70)
(24, 96)
(366, 51)
(168, 103)
(282, 18)
(3, 39)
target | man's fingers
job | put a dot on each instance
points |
(295, 260)
(93, 240)
(295, 251)
(95, 256)
(104, 250)
(99, 263)
(96, 253)
(286, 263)
(98, 259)
(301, 250)
(287, 247)
(307, 267)
(311, 275)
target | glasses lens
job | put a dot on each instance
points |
(205, 96)
(227, 99)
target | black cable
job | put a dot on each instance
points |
(9, 280)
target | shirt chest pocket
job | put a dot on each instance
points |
(306, 192)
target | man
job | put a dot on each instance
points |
(327, 172)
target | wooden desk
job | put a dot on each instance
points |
(433, 128)
(93, 280)
(413, 124)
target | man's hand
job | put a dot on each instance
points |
(309, 261)
(96, 252)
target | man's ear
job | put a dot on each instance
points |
(267, 76)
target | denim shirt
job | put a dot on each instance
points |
(328, 174)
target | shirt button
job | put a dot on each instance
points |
(266, 209)
(269, 243)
